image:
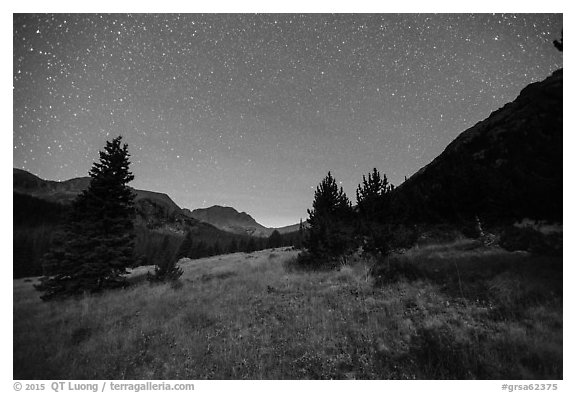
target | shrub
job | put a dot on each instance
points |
(168, 270)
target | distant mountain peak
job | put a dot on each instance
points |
(229, 219)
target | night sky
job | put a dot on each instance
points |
(252, 111)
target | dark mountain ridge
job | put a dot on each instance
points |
(40, 207)
(64, 192)
(153, 208)
(229, 219)
(503, 169)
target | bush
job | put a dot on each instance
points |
(168, 270)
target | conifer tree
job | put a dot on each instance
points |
(274, 240)
(216, 249)
(242, 245)
(233, 246)
(372, 196)
(201, 250)
(251, 245)
(185, 249)
(373, 199)
(166, 264)
(329, 233)
(300, 236)
(98, 238)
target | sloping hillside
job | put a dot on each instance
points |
(151, 205)
(507, 167)
(41, 205)
(230, 220)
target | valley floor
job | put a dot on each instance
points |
(477, 313)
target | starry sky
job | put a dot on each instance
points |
(253, 110)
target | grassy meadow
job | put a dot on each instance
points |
(458, 310)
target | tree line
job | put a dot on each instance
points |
(336, 227)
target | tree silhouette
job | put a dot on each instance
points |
(373, 198)
(98, 239)
(250, 246)
(233, 246)
(372, 195)
(185, 249)
(216, 249)
(166, 265)
(329, 233)
(274, 240)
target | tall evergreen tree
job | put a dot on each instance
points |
(251, 245)
(329, 233)
(185, 249)
(274, 240)
(298, 243)
(373, 198)
(242, 245)
(166, 268)
(233, 246)
(99, 234)
(216, 249)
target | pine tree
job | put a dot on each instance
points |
(216, 249)
(98, 237)
(329, 233)
(166, 264)
(242, 245)
(372, 196)
(300, 236)
(233, 247)
(251, 245)
(185, 249)
(274, 240)
(373, 199)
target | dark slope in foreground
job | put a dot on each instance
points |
(503, 169)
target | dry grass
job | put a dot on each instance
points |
(245, 316)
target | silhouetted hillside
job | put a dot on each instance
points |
(504, 168)
(230, 220)
(40, 207)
